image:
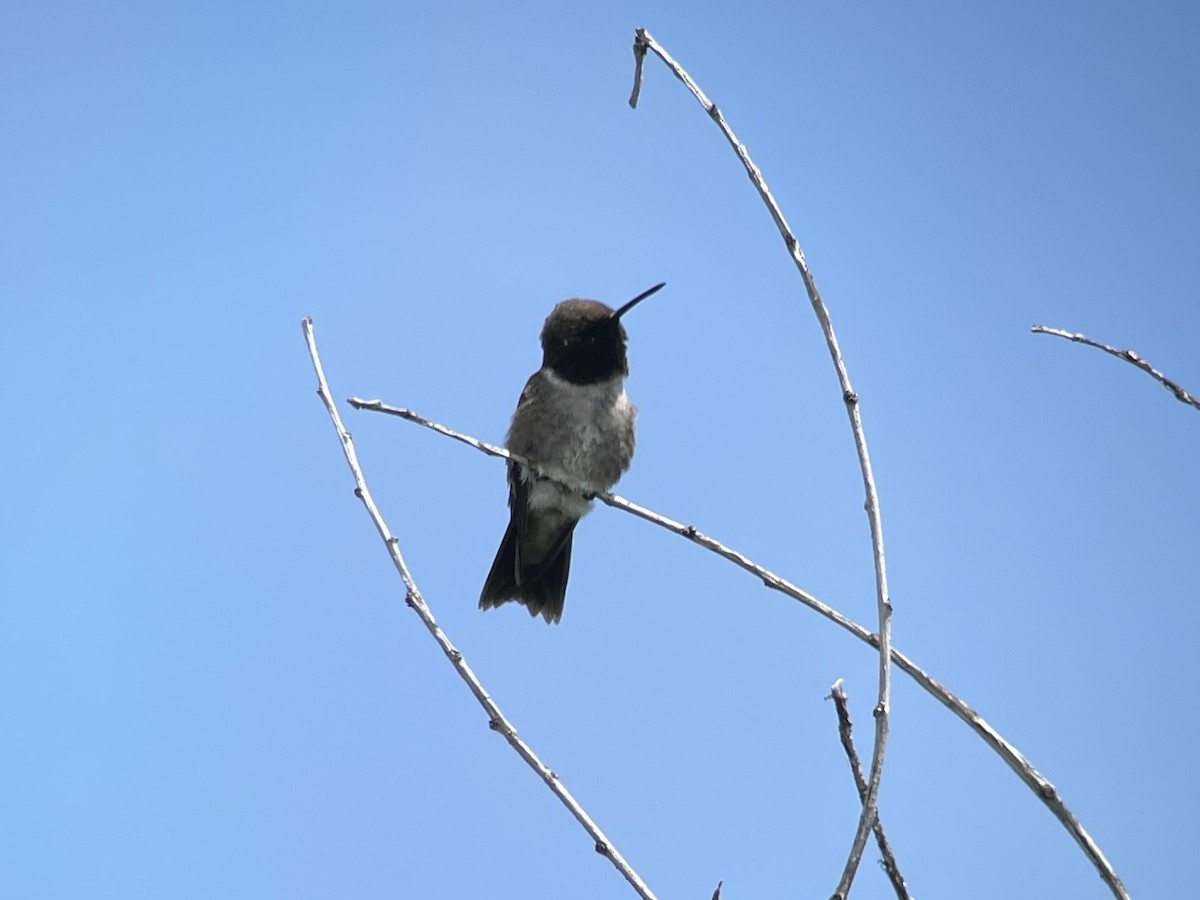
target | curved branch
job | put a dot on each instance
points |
(1129, 356)
(496, 720)
(643, 42)
(1042, 788)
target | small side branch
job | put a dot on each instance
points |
(1041, 786)
(1129, 356)
(496, 719)
(844, 732)
(642, 43)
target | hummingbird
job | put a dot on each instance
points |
(573, 422)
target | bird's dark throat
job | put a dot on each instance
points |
(595, 355)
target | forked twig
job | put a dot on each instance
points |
(496, 719)
(643, 42)
(1129, 356)
(844, 732)
(1042, 788)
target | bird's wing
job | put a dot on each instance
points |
(518, 487)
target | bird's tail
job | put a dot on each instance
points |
(542, 589)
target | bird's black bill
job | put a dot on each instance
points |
(638, 299)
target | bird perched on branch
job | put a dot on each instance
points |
(574, 424)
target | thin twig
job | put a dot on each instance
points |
(496, 719)
(639, 57)
(643, 42)
(1129, 356)
(844, 732)
(1042, 788)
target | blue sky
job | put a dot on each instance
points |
(209, 683)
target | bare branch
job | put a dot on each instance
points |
(1042, 788)
(1129, 356)
(844, 729)
(496, 719)
(643, 42)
